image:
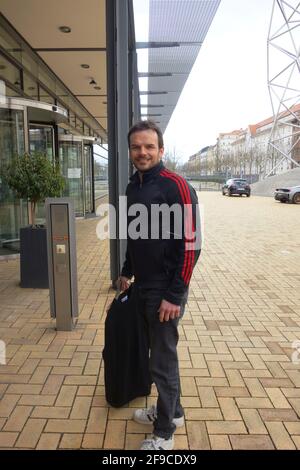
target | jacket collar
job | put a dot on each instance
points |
(149, 174)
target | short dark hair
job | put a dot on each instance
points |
(146, 126)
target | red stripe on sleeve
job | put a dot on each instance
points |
(189, 255)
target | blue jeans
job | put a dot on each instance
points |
(163, 339)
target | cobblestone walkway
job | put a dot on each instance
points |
(240, 388)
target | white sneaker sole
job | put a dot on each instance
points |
(166, 445)
(179, 422)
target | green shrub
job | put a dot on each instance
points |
(33, 177)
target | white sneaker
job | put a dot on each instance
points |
(149, 415)
(158, 443)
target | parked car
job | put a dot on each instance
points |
(236, 186)
(291, 194)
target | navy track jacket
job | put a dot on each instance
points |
(165, 252)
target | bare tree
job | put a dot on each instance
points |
(171, 159)
(259, 159)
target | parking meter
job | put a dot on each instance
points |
(62, 263)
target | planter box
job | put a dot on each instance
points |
(33, 257)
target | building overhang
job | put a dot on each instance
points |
(40, 23)
(177, 29)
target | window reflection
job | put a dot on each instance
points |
(100, 170)
(88, 177)
(41, 140)
(10, 45)
(12, 212)
(45, 97)
(9, 72)
(30, 87)
(70, 159)
(79, 125)
(12, 93)
(31, 64)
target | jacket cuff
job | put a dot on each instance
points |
(173, 299)
(126, 274)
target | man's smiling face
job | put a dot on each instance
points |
(144, 150)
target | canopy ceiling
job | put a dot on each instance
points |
(181, 25)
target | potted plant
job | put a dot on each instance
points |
(33, 177)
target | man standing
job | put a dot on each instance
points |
(161, 263)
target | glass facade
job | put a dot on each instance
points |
(41, 139)
(9, 44)
(100, 171)
(76, 159)
(70, 159)
(27, 125)
(26, 75)
(30, 87)
(45, 96)
(9, 72)
(13, 213)
(88, 177)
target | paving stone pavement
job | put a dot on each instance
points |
(240, 387)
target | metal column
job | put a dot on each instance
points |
(93, 179)
(119, 119)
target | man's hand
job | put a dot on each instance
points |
(123, 282)
(168, 311)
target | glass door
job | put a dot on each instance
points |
(41, 140)
(70, 159)
(88, 178)
(12, 212)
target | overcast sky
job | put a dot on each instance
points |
(227, 88)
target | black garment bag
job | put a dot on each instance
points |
(126, 351)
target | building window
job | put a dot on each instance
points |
(10, 45)
(30, 87)
(10, 72)
(13, 213)
(45, 97)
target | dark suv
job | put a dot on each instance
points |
(236, 186)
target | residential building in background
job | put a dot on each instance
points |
(246, 152)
